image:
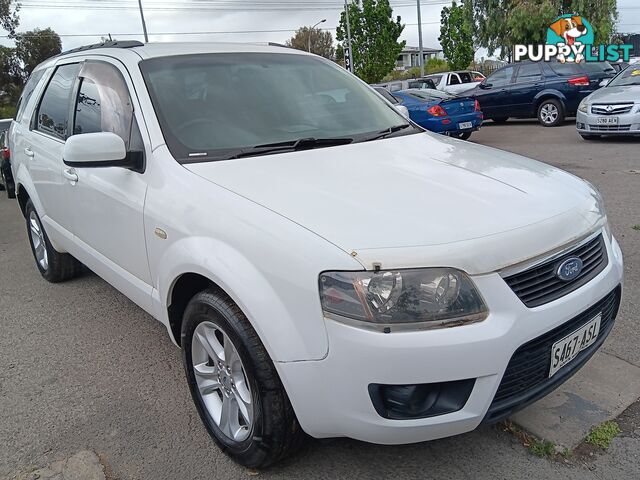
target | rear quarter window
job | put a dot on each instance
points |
(566, 69)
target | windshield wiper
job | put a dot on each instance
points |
(291, 146)
(386, 133)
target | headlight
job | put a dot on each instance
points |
(402, 299)
(583, 107)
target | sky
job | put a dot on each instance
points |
(227, 20)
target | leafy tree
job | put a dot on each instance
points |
(321, 42)
(36, 46)
(9, 19)
(374, 38)
(456, 34)
(435, 65)
(501, 24)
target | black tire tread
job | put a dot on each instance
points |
(285, 435)
(62, 266)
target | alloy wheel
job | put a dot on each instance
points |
(549, 113)
(38, 242)
(222, 381)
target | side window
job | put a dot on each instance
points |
(103, 103)
(501, 77)
(53, 112)
(529, 72)
(454, 79)
(31, 85)
(465, 77)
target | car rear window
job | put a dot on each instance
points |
(598, 67)
(566, 69)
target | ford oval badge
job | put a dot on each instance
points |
(569, 269)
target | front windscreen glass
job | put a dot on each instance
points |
(211, 106)
(628, 77)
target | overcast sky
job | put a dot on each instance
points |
(260, 17)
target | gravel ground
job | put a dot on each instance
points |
(82, 368)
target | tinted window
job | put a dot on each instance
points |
(529, 72)
(501, 77)
(211, 105)
(421, 84)
(465, 77)
(103, 103)
(387, 95)
(454, 79)
(53, 112)
(435, 78)
(565, 69)
(28, 91)
(598, 67)
(430, 95)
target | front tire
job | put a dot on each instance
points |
(234, 383)
(53, 266)
(550, 112)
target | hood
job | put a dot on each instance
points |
(415, 191)
(624, 94)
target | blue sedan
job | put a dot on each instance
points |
(441, 112)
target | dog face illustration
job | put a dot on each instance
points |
(569, 29)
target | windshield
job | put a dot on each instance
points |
(212, 105)
(430, 95)
(629, 76)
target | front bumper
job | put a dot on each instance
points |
(331, 396)
(628, 124)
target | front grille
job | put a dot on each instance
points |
(539, 285)
(608, 109)
(609, 128)
(526, 378)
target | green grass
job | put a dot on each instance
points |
(636, 227)
(542, 448)
(602, 435)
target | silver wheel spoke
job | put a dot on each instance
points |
(207, 378)
(37, 241)
(211, 345)
(230, 355)
(246, 409)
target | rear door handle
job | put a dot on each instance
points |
(28, 152)
(71, 175)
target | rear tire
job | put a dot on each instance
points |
(500, 120)
(233, 366)
(53, 266)
(550, 112)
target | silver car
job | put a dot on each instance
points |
(614, 109)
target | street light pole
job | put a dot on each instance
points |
(144, 24)
(311, 30)
(346, 12)
(420, 40)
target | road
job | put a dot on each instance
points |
(82, 368)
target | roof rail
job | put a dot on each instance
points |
(109, 44)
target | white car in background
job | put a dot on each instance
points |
(326, 266)
(456, 82)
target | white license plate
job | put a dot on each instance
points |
(465, 125)
(565, 350)
(607, 121)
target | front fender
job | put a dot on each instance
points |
(285, 312)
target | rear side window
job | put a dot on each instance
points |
(103, 103)
(454, 79)
(465, 77)
(529, 72)
(53, 112)
(31, 85)
(566, 69)
(598, 67)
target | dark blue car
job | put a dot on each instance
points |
(441, 112)
(549, 91)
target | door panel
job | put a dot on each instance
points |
(109, 202)
(528, 83)
(496, 101)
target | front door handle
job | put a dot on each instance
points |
(71, 175)
(28, 152)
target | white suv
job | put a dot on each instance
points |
(325, 266)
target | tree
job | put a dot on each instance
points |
(36, 46)
(374, 38)
(456, 34)
(503, 23)
(321, 42)
(9, 19)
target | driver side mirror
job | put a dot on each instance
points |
(486, 85)
(96, 150)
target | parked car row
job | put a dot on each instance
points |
(6, 178)
(550, 92)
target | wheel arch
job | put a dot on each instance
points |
(546, 95)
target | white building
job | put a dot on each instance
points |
(409, 57)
